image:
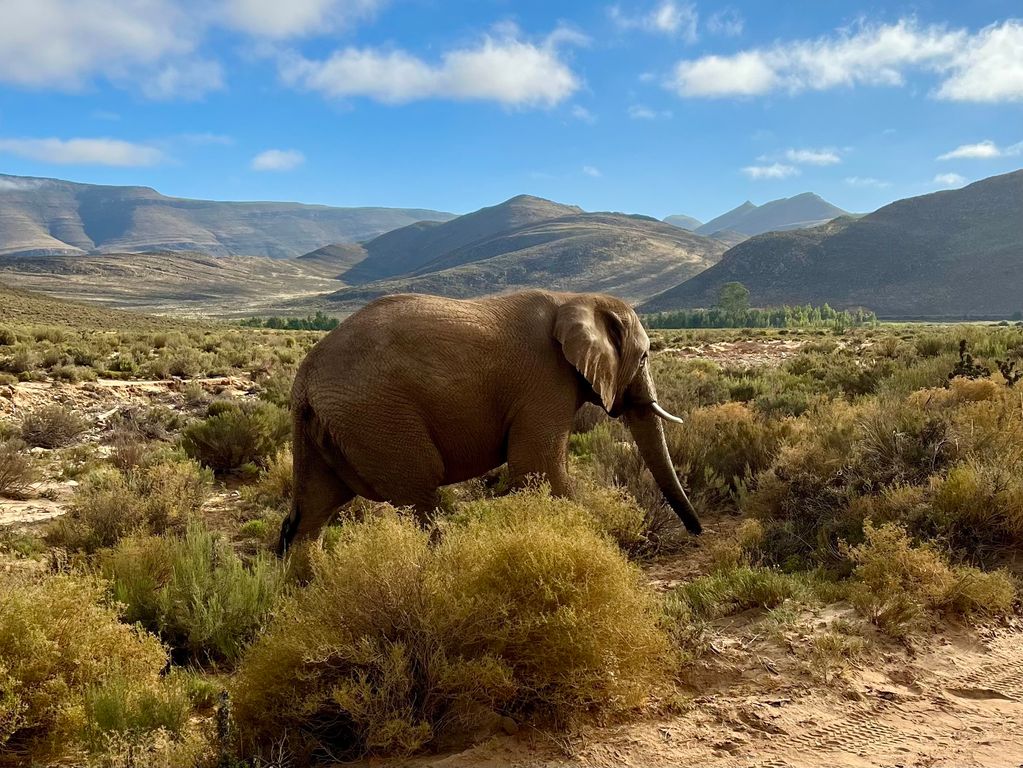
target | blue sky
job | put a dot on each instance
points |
(648, 107)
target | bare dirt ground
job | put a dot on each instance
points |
(759, 698)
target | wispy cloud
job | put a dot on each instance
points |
(813, 156)
(504, 69)
(982, 150)
(583, 114)
(83, 151)
(772, 171)
(295, 18)
(982, 66)
(590, 170)
(277, 160)
(867, 181)
(727, 22)
(643, 112)
(949, 180)
(667, 18)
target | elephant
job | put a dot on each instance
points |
(413, 392)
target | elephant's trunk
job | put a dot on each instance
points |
(645, 425)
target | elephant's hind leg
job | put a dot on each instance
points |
(318, 492)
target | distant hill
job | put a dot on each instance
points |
(175, 282)
(50, 216)
(681, 220)
(954, 254)
(631, 256)
(21, 306)
(409, 248)
(805, 210)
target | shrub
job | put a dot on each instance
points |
(17, 470)
(276, 483)
(67, 664)
(609, 458)
(237, 434)
(720, 448)
(521, 610)
(8, 338)
(52, 426)
(194, 591)
(898, 586)
(276, 388)
(150, 498)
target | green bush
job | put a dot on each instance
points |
(194, 591)
(237, 434)
(71, 671)
(152, 497)
(522, 610)
(52, 426)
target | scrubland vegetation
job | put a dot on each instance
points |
(149, 625)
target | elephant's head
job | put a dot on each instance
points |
(605, 341)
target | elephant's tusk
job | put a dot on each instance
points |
(664, 414)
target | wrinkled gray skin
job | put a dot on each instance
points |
(414, 392)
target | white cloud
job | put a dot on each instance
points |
(278, 19)
(989, 67)
(744, 74)
(949, 180)
(642, 112)
(590, 170)
(583, 114)
(64, 44)
(83, 151)
(866, 181)
(190, 79)
(982, 150)
(504, 69)
(982, 66)
(812, 156)
(727, 22)
(277, 160)
(773, 171)
(667, 18)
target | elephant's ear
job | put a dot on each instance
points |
(586, 341)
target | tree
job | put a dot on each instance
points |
(733, 297)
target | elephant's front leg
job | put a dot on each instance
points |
(538, 445)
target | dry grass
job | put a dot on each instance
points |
(52, 426)
(900, 587)
(522, 610)
(17, 470)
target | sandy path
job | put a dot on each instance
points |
(960, 705)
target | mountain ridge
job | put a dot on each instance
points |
(952, 253)
(40, 215)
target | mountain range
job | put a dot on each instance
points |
(50, 216)
(955, 253)
(547, 245)
(951, 254)
(746, 220)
